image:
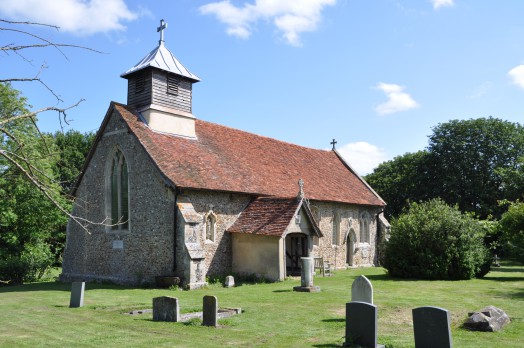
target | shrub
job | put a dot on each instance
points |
(435, 241)
(30, 266)
(512, 228)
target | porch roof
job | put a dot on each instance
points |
(269, 216)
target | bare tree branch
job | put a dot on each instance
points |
(61, 111)
(30, 23)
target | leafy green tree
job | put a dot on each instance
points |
(435, 241)
(401, 180)
(73, 147)
(467, 158)
(28, 219)
(512, 228)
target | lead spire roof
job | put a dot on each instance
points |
(161, 58)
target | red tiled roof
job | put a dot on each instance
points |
(227, 159)
(267, 216)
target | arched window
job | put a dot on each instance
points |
(364, 228)
(336, 230)
(210, 226)
(119, 193)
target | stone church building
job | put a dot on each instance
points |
(183, 197)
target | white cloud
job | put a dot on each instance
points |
(442, 3)
(397, 99)
(291, 18)
(517, 75)
(82, 17)
(362, 156)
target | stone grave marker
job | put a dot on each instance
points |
(166, 308)
(431, 327)
(488, 319)
(77, 294)
(306, 276)
(210, 311)
(362, 290)
(230, 281)
(361, 325)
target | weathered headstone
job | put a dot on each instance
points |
(210, 311)
(488, 319)
(166, 308)
(306, 276)
(361, 325)
(431, 327)
(230, 281)
(77, 294)
(362, 290)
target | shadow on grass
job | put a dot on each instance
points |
(281, 290)
(503, 279)
(326, 345)
(57, 286)
(336, 320)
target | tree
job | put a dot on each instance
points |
(435, 241)
(19, 155)
(468, 158)
(472, 163)
(512, 228)
(402, 180)
(28, 220)
(73, 147)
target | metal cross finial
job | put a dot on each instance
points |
(334, 142)
(163, 25)
(301, 187)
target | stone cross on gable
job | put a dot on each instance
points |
(163, 25)
(301, 188)
(334, 142)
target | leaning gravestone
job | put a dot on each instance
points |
(77, 294)
(210, 311)
(362, 290)
(431, 327)
(490, 319)
(361, 325)
(166, 308)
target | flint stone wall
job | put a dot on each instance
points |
(147, 246)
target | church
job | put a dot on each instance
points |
(182, 197)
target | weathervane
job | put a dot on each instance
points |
(163, 25)
(334, 142)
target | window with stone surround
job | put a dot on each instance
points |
(364, 228)
(211, 221)
(336, 229)
(119, 193)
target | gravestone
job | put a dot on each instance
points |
(77, 294)
(166, 308)
(306, 276)
(361, 325)
(230, 282)
(489, 319)
(431, 327)
(362, 290)
(210, 311)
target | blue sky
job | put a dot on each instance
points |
(374, 75)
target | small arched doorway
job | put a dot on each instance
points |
(350, 247)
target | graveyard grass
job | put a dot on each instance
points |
(36, 315)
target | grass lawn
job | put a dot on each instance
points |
(37, 315)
